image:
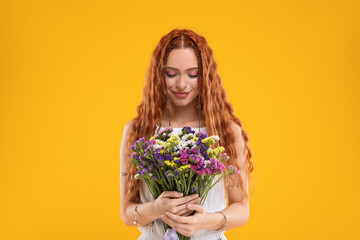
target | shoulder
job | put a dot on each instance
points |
(239, 138)
(236, 129)
(127, 127)
(124, 142)
(126, 131)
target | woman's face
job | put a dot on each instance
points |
(182, 76)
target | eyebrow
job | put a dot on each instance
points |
(185, 70)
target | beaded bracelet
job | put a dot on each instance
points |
(135, 211)
(224, 223)
(135, 221)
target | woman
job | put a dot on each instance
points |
(184, 89)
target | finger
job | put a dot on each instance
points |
(195, 201)
(184, 206)
(196, 207)
(185, 212)
(165, 219)
(183, 200)
(179, 219)
(172, 194)
(179, 227)
(171, 222)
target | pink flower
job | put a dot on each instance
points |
(234, 169)
(201, 172)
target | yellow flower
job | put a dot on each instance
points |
(215, 152)
(208, 141)
(174, 139)
(184, 167)
(152, 138)
(170, 163)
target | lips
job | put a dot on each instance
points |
(181, 94)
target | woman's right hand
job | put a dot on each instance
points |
(174, 202)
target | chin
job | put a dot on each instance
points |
(180, 103)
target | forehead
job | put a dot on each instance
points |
(182, 59)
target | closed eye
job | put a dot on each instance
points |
(173, 75)
(169, 75)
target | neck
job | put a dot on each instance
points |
(182, 115)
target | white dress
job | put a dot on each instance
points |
(215, 201)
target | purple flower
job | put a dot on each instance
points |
(171, 234)
(169, 174)
(187, 130)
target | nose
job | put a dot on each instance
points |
(181, 82)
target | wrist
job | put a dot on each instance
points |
(215, 221)
(156, 208)
(144, 213)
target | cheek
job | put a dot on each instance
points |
(168, 82)
(194, 83)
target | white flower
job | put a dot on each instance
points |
(187, 136)
(172, 134)
(215, 137)
(157, 146)
(185, 144)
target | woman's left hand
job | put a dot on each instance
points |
(188, 225)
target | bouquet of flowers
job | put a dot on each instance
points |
(183, 162)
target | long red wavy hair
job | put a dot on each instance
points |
(218, 112)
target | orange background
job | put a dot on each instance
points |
(72, 74)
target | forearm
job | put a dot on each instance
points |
(236, 214)
(146, 213)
